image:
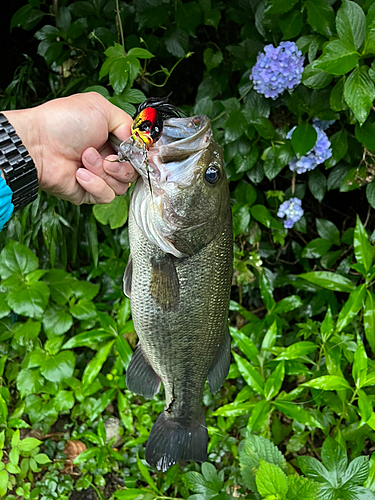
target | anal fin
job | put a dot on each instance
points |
(220, 366)
(140, 376)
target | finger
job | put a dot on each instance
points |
(121, 171)
(118, 178)
(99, 191)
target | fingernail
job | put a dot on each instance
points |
(85, 175)
(114, 167)
(92, 158)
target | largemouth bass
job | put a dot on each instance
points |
(178, 279)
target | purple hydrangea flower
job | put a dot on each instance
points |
(317, 155)
(293, 211)
(277, 70)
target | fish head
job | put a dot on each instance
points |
(183, 195)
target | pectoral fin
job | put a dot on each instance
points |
(140, 376)
(164, 284)
(128, 277)
(220, 366)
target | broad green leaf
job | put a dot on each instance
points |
(303, 139)
(297, 413)
(124, 350)
(234, 409)
(29, 382)
(302, 488)
(287, 304)
(274, 381)
(84, 309)
(328, 231)
(366, 136)
(271, 480)
(61, 285)
(330, 281)
(3, 482)
(270, 337)
(258, 416)
(30, 300)
(317, 184)
(263, 215)
(251, 376)
(254, 449)
(95, 365)
(140, 53)
(146, 476)
(364, 405)
(351, 24)
(59, 367)
(370, 31)
(132, 493)
(313, 469)
(359, 93)
(245, 345)
(297, 350)
(64, 401)
(316, 248)
(359, 370)
(266, 291)
(87, 339)
(352, 306)
(25, 334)
(16, 259)
(326, 327)
(315, 78)
(321, 17)
(42, 459)
(357, 472)
(115, 213)
(56, 321)
(29, 444)
(328, 383)
(369, 320)
(335, 460)
(338, 58)
(362, 246)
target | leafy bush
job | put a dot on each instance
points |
(302, 317)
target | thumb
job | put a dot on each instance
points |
(119, 122)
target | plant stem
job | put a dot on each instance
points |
(119, 24)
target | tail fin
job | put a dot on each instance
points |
(174, 439)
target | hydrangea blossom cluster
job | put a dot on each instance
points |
(293, 211)
(317, 155)
(277, 70)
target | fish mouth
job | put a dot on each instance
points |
(181, 144)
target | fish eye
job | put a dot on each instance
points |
(212, 174)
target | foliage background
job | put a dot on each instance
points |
(302, 312)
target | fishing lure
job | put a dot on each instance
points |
(146, 128)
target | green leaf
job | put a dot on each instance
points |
(16, 259)
(64, 401)
(59, 367)
(42, 459)
(115, 213)
(315, 78)
(352, 307)
(335, 460)
(328, 231)
(176, 41)
(258, 416)
(56, 321)
(313, 469)
(234, 409)
(337, 100)
(369, 320)
(321, 17)
(328, 383)
(364, 405)
(124, 350)
(60, 284)
(303, 139)
(317, 184)
(26, 333)
(274, 381)
(287, 304)
(316, 248)
(241, 218)
(351, 24)
(254, 449)
(29, 444)
(263, 215)
(212, 59)
(87, 339)
(146, 476)
(3, 482)
(330, 281)
(251, 376)
(370, 31)
(83, 310)
(359, 93)
(95, 365)
(359, 370)
(366, 136)
(297, 350)
(362, 246)
(297, 413)
(271, 480)
(338, 58)
(140, 53)
(302, 488)
(29, 382)
(29, 300)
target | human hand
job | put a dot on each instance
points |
(65, 135)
